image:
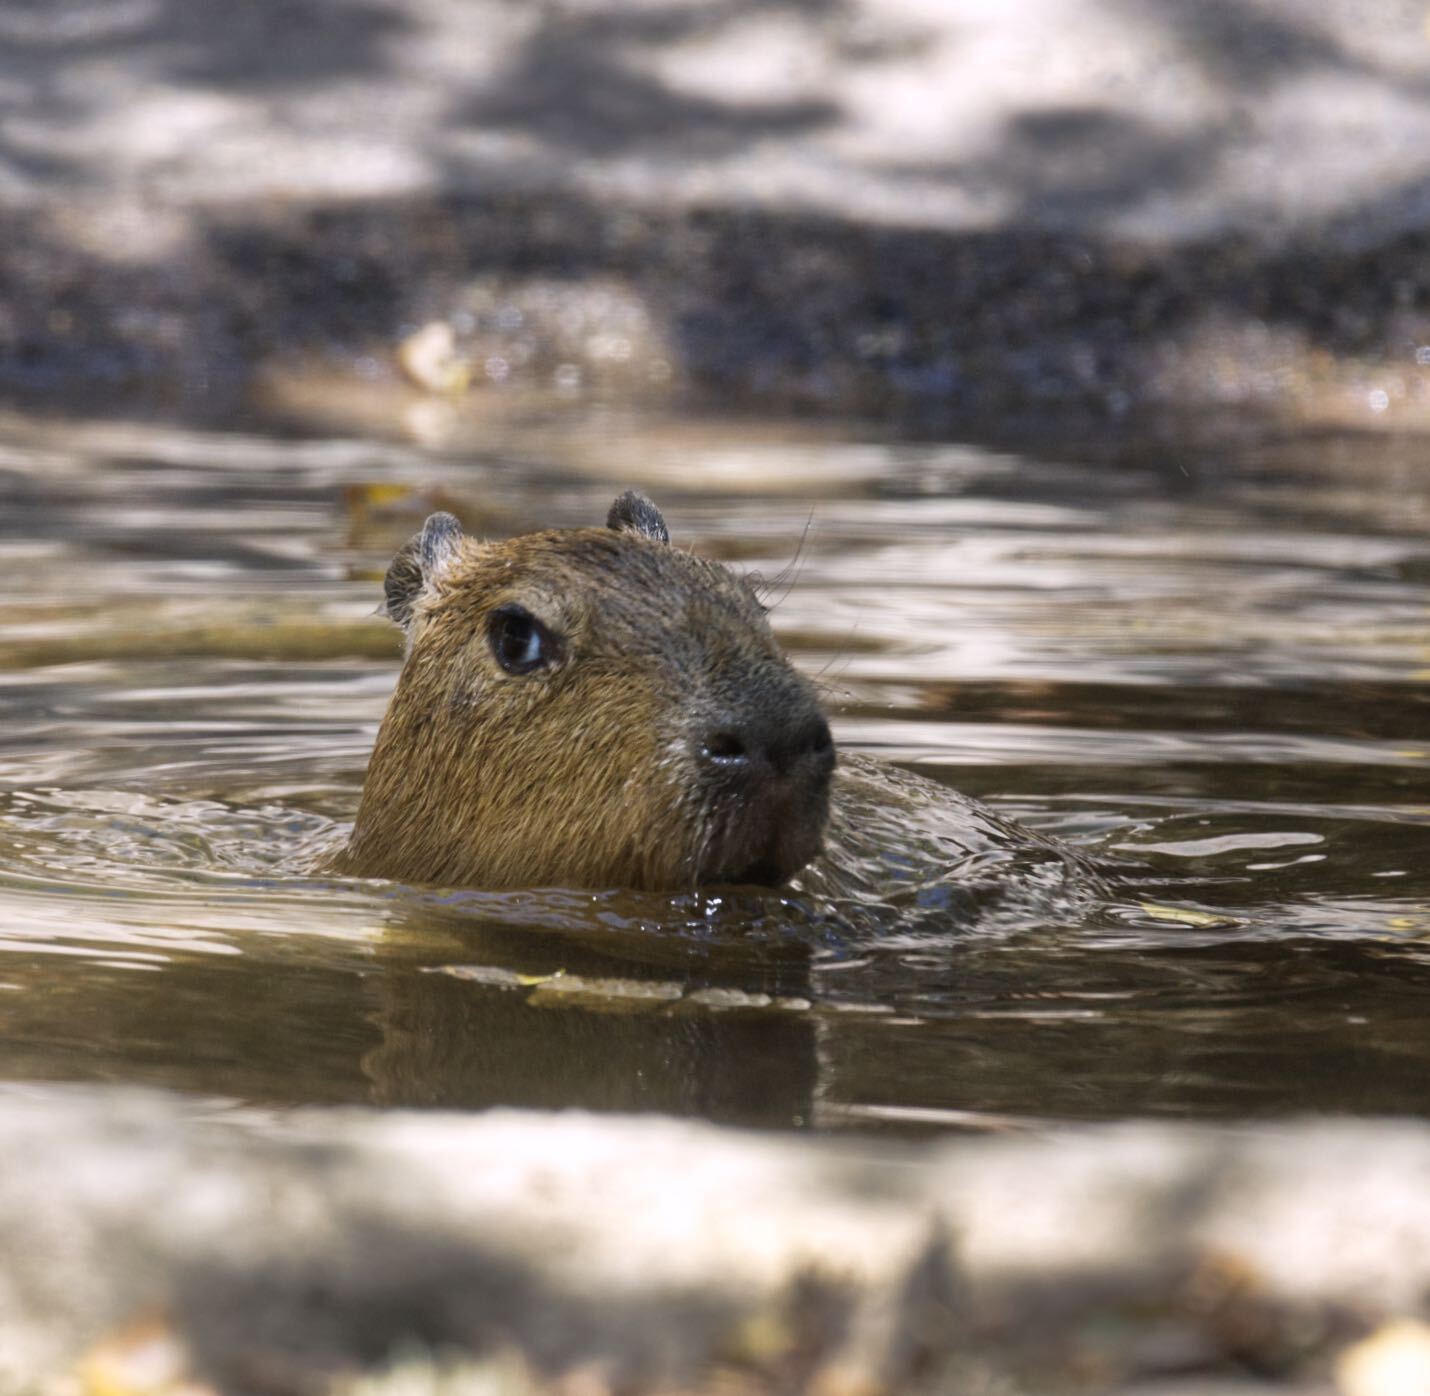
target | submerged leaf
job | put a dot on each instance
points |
(1187, 915)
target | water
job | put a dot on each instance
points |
(1206, 670)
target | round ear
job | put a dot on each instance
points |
(420, 563)
(634, 513)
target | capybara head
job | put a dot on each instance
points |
(588, 708)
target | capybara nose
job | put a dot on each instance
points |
(755, 743)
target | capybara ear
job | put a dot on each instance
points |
(419, 564)
(634, 513)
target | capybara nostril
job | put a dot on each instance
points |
(724, 750)
(776, 739)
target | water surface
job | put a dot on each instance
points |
(1206, 669)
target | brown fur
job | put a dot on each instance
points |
(587, 773)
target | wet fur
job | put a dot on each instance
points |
(582, 776)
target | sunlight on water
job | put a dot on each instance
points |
(1207, 677)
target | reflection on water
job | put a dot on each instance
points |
(1208, 673)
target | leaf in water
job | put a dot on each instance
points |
(493, 975)
(605, 995)
(1187, 915)
(377, 495)
(1412, 927)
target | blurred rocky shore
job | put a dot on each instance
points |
(964, 211)
(160, 1249)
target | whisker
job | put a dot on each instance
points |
(841, 655)
(830, 690)
(788, 575)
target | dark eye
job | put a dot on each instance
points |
(519, 641)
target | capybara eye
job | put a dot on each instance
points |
(519, 641)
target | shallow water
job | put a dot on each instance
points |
(1207, 670)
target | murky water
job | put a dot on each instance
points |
(1208, 671)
